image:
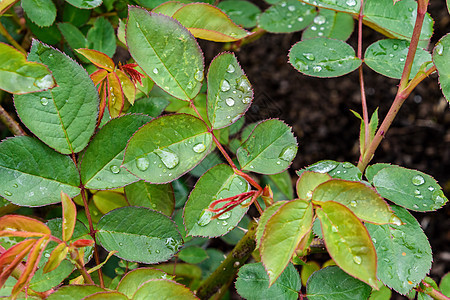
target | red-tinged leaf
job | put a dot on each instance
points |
(30, 267)
(82, 243)
(98, 76)
(12, 257)
(128, 87)
(22, 223)
(98, 58)
(115, 95)
(56, 257)
(69, 216)
(102, 94)
(135, 75)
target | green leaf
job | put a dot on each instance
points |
(168, 8)
(267, 214)
(229, 91)
(41, 12)
(101, 37)
(75, 15)
(339, 170)
(106, 201)
(286, 16)
(208, 22)
(441, 54)
(333, 283)
(100, 165)
(330, 24)
(348, 241)
(308, 181)
(384, 293)
(253, 283)
(85, 4)
(73, 36)
(193, 255)
(166, 51)
(64, 118)
(350, 6)
(215, 258)
(404, 253)
(270, 148)
(387, 57)
(307, 270)
(445, 285)
(107, 295)
(74, 292)
(322, 57)
(163, 289)
(159, 197)
(33, 174)
(283, 182)
(241, 12)
(218, 183)
(132, 280)
(282, 233)
(210, 161)
(147, 236)
(19, 76)
(362, 200)
(152, 106)
(167, 147)
(411, 189)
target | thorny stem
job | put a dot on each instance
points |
(430, 291)
(404, 88)
(12, 125)
(10, 39)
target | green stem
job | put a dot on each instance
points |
(79, 264)
(435, 294)
(229, 267)
(12, 125)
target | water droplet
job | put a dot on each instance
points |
(229, 101)
(225, 215)
(320, 20)
(205, 218)
(115, 169)
(44, 101)
(317, 69)
(120, 244)
(169, 159)
(171, 244)
(153, 205)
(309, 195)
(15, 185)
(230, 68)
(350, 2)
(199, 148)
(300, 19)
(353, 203)
(430, 188)
(301, 66)
(418, 180)
(225, 86)
(439, 48)
(417, 192)
(224, 223)
(438, 197)
(155, 71)
(374, 240)
(45, 82)
(334, 228)
(157, 251)
(291, 8)
(357, 259)
(8, 193)
(395, 220)
(288, 153)
(47, 255)
(347, 165)
(199, 75)
(283, 4)
(313, 28)
(324, 166)
(309, 56)
(142, 163)
(415, 206)
(320, 33)
(246, 100)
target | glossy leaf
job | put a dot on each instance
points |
(348, 241)
(98, 58)
(74, 292)
(218, 183)
(159, 197)
(33, 174)
(193, 255)
(167, 147)
(106, 201)
(411, 189)
(57, 255)
(362, 200)
(75, 15)
(253, 283)
(229, 91)
(441, 54)
(41, 12)
(267, 214)
(147, 237)
(15, 223)
(101, 163)
(286, 16)
(85, 4)
(444, 285)
(101, 37)
(404, 253)
(333, 283)
(166, 51)
(241, 12)
(152, 106)
(330, 24)
(339, 170)
(63, 118)
(19, 76)
(73, 36)
(116, 97)
(168, 8)
(307, 270)
(132, 280)
(270, 148)
(322, 57)
(350, 6)
(69, 216)
(282, 234)
(128, 87)
(308, 181)
(387, 57)
(282, 181)
(163, 289)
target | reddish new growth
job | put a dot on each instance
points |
(232, 203)
(136, 76)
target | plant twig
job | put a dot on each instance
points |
(10, 123)
(435, 294)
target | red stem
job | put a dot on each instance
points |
(361, 80)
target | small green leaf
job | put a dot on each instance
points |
(213, 159)
(75, 15)
(333, 283)
(286, 16)
(85, 4)
(229, 91)
(193, 255)
(411, 189)
(168, 8)
(41, 12)
(19, 76)
(404, 253)
(445, 285)
(106, 201)
(218, 183)
(167, 147)
(132, 280)
(322, 57)
(159, 197)
(73, 36)
(74, 292)
(384, 293)
(348, 241)
(253, 283)
(282, 233)
(270, 148)
(166, 51)
(147, 237)
(241, 12)
(151, 106)
(101, 163)
(163, 289)
(339, 170)
(267, 214)
(283, 182)
(65, 117)
(441, 54)
(69, 216)
(387, 57)
(307, 270)
(330, 24)
(101, 37)
(33, 174)
(107, 295)
(49, 35)
(308, 181)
